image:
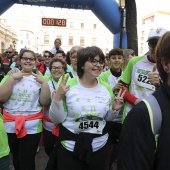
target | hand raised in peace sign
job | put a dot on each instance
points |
(118, 100)
(62, 89)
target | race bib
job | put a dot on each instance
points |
(90, 124)
(141, 79)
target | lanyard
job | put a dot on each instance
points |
(53, 84)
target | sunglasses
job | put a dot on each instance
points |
(47, 56)
(8, 52)
(152, 43)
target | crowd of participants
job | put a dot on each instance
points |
(81, 104)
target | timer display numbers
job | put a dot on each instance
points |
(54, 22)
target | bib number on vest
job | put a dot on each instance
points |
(142, 81)
(90, 124)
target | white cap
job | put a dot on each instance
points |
(157, 33)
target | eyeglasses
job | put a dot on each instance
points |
(152, 43)
(95, 62)
(26, 59)
(74, 58)
(47, 56)
(8, 52)
(56, 68)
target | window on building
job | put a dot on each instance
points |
(46, 38)
(21, 41)
(151, 29)
(81, 41)
(82, 25)
(94, 26)
(70, 40)
(94, 41)
(143, 33)
(141, 45)
(71, 24)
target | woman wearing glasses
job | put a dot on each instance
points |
(23, 95)
(82, 106)
(50, 130)
(43, 66)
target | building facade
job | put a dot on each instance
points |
(148, 23)
(8, 37)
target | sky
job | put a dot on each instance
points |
(146, 6)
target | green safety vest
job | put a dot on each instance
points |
(4, 147)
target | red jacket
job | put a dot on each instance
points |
(40, 66)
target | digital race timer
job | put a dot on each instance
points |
(54, 22)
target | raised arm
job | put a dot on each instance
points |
(115, 107)
(58, 112)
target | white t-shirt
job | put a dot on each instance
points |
(85, 110)
(24, 100)
(136, 76)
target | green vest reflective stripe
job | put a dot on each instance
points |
(155, 115)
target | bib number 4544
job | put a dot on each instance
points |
(90, 124)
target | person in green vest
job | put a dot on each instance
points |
(4, 148)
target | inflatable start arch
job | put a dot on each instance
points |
(106, 10)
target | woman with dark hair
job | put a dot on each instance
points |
(43, 66)
(50, 130)
(82, 106)
(23, 95)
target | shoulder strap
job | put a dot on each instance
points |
(155, 113)
(71, 75)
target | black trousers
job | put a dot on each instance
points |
(49, 141)
(4, 163)
(114, 130)
(24, 150)
(67, 161)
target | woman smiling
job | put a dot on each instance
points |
(50, 130)
(24, 94)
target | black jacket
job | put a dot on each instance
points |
(137, 144)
